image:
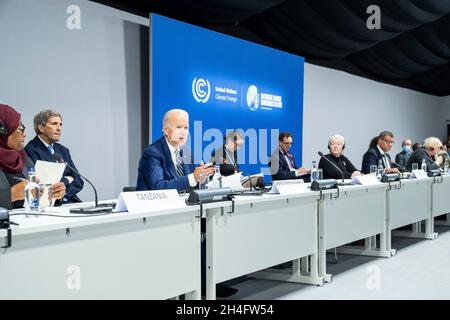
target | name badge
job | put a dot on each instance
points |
(149, 201)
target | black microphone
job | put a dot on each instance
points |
(96, 208)
(334, 165)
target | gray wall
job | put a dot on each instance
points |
(97, 77)
(358, 109)
(94, 76)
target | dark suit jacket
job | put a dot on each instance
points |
(343, 163)
(372, 157)
(7, 181)
(157, 171)
(279, 168)
(417, 157)
(220, 156)
(402, 159)
(37, 150)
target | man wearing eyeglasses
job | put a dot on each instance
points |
(282, 163)
(380, 152)
(48, 127)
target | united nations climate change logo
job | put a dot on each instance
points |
(252, 98)
(201, 90)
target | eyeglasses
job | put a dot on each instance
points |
(389, 142)
(287, 143)
(21, 128)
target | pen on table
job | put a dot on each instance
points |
(20, 179)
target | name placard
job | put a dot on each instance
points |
(285, 187)
(418, 174)
(366, 180)
(148, 201)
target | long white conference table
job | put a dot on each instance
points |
(115, 256)
(157, 255)
(259, 232)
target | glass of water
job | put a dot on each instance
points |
(373, 169)
(46, 200)
(415, 166)
(320, 174)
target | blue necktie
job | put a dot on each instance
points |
(180, 169)
(51, 150)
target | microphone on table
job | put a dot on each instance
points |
(96, 208)
(333, 164)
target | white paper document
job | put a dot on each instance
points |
(233, 182)
(49, 172)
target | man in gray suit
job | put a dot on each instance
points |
(402, 157)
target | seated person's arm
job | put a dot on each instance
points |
(369, 159)
(18, 191)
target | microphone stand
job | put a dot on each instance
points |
(334, 165)
(96, 208)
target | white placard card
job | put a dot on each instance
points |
(418, 174)
(366, 180)
(285, 187)
(148, 201)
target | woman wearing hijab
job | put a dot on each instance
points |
(14, 163)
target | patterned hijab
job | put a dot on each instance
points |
(11, 160)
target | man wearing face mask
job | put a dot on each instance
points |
(402, 157)
(165, 164)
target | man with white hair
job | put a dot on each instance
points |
(430, 148)
(165, 164)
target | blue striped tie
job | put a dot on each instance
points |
(180, 170)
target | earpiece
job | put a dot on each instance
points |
(3, 129)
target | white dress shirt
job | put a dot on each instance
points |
(387, 165)
(173, 154)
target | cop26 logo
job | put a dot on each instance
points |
(201, 90)
(253, 98)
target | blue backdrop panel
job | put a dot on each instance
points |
(225, 84)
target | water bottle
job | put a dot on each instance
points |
(314, 172)
(380, 170)
(217, 182)
(424, 165)
(32, 194)
(446, 166)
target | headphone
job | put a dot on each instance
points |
(343, 147)
(329, 148)
(3, 129)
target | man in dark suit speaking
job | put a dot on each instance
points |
(165, 164)
(48, 127)
(379, 153)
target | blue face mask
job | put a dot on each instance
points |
(406, 149)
